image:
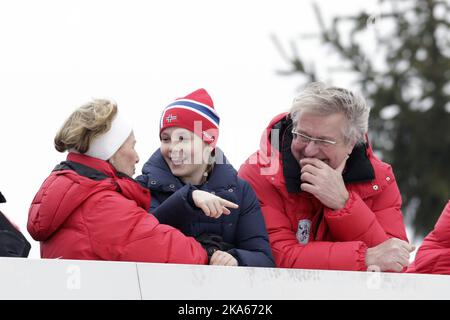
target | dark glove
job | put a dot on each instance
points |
(213, 242)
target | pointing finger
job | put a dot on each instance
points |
(228, 204)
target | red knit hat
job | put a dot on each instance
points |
(194, 112)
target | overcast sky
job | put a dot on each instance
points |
(56, 55)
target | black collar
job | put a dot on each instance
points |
(358, 168)
(82, 170)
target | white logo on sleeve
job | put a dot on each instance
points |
(303, 230)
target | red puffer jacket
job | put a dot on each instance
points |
(305, 234)
(86, 210)
(433, 255)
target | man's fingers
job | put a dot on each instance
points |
(314, 162)
(308, 188)
(397, 267)
(308, 177)
(405, 255)
(403, 261)
(408, 247)
(311, 169)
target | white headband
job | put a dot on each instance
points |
(104, 146)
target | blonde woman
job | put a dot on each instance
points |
(90, 207)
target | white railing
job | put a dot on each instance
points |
(76, 279)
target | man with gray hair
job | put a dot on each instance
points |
(328, 201)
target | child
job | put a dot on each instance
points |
(194, 189)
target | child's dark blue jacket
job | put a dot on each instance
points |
(244, 228)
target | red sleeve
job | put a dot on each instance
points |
(434, 254)
(120, 230)
(373, 222)
(287, 251)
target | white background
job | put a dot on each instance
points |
(56, 55)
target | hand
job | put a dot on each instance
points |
(222, 258)
(212, 205)
(324, 182)
(391, 255)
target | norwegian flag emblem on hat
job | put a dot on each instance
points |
(170, 118)
(194, 110)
